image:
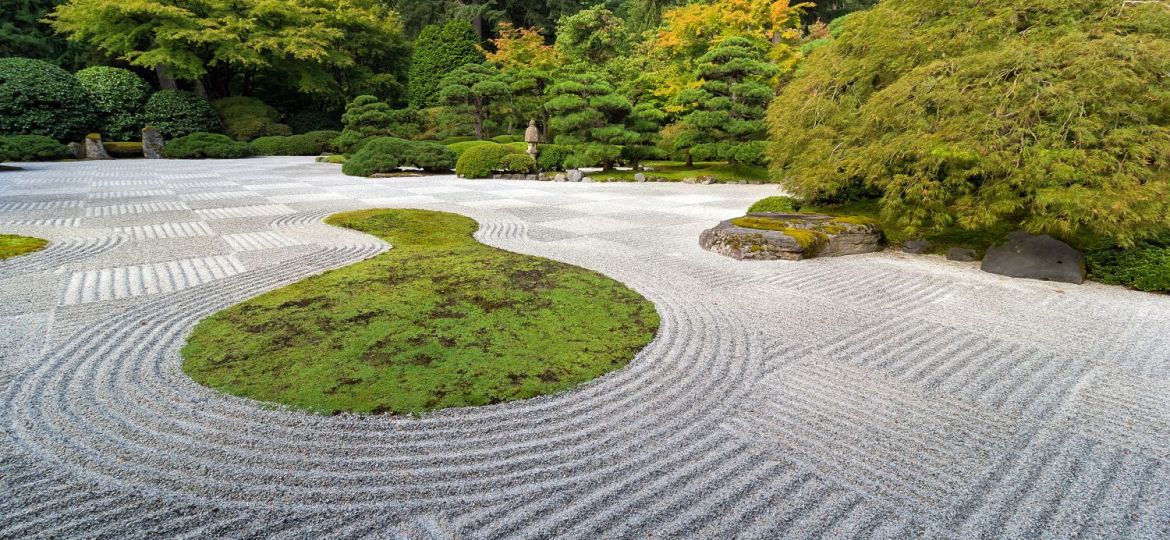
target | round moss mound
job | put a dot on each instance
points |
(438, 321)
(12, 245)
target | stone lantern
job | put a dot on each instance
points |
(532, 136)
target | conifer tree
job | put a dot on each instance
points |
(439, 50)
(474, 89)
(727, 122)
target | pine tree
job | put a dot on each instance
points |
(727, 122)
(439, 50)
(589, 116)
(473, 89)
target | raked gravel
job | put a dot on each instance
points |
(884, 395)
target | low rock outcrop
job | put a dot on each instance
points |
(772, 236)
(1036, 257)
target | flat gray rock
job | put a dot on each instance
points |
(771, 236)
(962, 254)
(1040, 257)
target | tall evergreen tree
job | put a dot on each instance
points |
(473, 89)
(439, 50)
(727, 122)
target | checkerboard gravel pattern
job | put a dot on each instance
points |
(882, 396)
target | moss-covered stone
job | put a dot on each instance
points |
(768, 235)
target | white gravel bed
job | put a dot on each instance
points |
(884, 395)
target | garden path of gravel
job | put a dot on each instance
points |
(884, 395)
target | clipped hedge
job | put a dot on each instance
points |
(31, 148)
(39, 98)
(516, 163)
(247, 118)
(461, 147)
(387, 154)
(119, 96)
(177, 114)
(202, 145)
(552, 157)
(505, 139)
(307, 144)
(452, 140)
(480, 161)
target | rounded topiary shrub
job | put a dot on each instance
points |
(505, 139)
(201, 145)
(480, 161)
(462, 146)
(516, 163)
(39, 98)
(779, 204)
(176, 114)
(119, 96)
(32, 148)
(307, 144)
(246, 118)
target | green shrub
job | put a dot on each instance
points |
(516, 163)
(119, 96)
(176, 114)
(307, 144)
(432, 157)
(310, 120)
(552, 157)
(1047, 115)
(480, 161)
(452, 140)
(31, 148)
(461, 147)
(201, 145)
(782, 205)
(246, 118)
(39, 98)
(1145, 267)
(123, 149)
(387, 154)
(505, 139)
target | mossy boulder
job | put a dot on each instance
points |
(772, 236)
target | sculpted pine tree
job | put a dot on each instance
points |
(474, 89)
(367, 116)
(729, 106)
(594, 120)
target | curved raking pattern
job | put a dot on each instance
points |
(712, 431)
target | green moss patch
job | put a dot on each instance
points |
(12, 245)
(438, 321)
(677, 171)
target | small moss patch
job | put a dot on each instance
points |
(12, 245)
(438, 321)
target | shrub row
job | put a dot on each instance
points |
(313, 143)
(387, 154)
(31, 148)
(201, 145)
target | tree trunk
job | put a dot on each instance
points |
(690, 160)
(546, 133)
(165, 81)
(478, 123)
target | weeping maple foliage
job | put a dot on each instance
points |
(1051, 115)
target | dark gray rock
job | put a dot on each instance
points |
(94, 149)
(917, 247)
(962, 254)
(1036, 257)
(574, 175)
(771, 236)
(77, 150)
(152, 143)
